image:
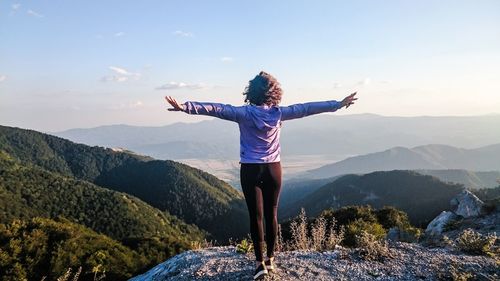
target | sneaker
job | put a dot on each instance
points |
(259, 271)
(270, 265)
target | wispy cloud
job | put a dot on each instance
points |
(120, 75)
(365, 81)
(3, 77)
(35, 14)
(182, 33)
(134, 104)
(181, 85)
(119, 34)
(337, 85)
(15, 6)
(227, 59)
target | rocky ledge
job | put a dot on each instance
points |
(408, 261)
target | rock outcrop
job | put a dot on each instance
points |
(467, 204)
(436, 226)
(409, 261)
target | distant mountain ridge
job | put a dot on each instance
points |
(470, 179)
(427, 157)
(332, 135)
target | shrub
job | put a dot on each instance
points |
(347, 214)
(318, 234)
(388, 217)
(334, 236)
(245, 246)
(198, 245)
(371, 248)
(298, 228)
(410, 234)
(280, 244)
(357, 226)
(470, 241)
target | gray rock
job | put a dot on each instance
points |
(393, 234)
(467, 204)
(410, 261)
(436, 226)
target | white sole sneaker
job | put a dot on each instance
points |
(260, 271)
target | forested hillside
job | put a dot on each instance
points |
(191, 194)
(421, 197)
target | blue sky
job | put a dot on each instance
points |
(67, 64)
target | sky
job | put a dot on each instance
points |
(83, 64)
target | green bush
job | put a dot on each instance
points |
(357, 226)
(245, 246)
(369, 247)
(389, 216)
(472, 242)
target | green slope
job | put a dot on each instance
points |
(191, 194)
(29, 191)
(421, 197)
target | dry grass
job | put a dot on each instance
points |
(298, 228)
(322, 236)
(198, 245)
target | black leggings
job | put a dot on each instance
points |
(261, 184)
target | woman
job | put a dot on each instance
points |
(260, 123)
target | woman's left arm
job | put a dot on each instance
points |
(309, 108)
(219, 110)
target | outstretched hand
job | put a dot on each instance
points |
(347, 101)
(176, 106)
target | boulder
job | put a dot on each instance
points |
(393, 234)
(466, 204)
(436, 226)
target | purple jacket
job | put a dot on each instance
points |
(260, 126)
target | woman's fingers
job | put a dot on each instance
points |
(173, 103)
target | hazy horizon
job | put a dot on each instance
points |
(206, 118)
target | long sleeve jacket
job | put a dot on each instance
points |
(260, 126)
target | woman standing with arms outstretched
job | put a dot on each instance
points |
(260, 121)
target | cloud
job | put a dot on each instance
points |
(227, 59)
(365, 81)
(182, 33)
(128, 105)
(119, 34)
(3, 78)
(181, 85)
(120, 75)
(15, 6)
(35, 14)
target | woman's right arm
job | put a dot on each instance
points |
(219, 110)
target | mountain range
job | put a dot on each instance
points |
(427, 157)
(323, 138)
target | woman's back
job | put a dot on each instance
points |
(260, 134)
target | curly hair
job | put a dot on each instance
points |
(263, 89)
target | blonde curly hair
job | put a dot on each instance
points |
(263, 89)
